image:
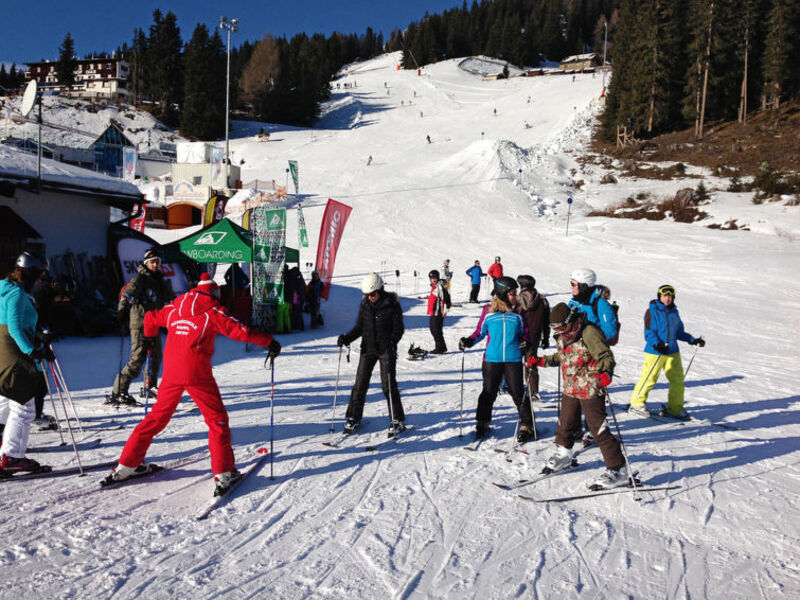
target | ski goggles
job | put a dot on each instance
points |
(666, 290)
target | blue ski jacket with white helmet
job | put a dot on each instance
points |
(604, 317)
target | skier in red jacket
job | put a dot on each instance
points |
(496, 270)
(192, 321)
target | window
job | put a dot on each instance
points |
(197, 180)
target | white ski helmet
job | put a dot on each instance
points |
(371, 283)
(584, 275)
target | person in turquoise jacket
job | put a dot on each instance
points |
(663, 329)
(503, 330)
(20, 377)
(588, 298)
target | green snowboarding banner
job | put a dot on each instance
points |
(269, 251)
(302, 234)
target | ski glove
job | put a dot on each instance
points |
(274, 348)
(698, 342)
(43, 353)
(340, 341)
(605, 379)
(534, 361)
(465, 342)
(661, 348)
(523, 345)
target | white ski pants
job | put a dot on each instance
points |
(18, 418)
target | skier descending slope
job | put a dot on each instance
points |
(192, 321)
(504, 330)
(379, 324)
(587, 365)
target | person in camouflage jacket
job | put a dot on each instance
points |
(148, 290)
(587, 366)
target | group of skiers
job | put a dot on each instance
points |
(516, 323)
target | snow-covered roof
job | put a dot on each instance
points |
(579, 57)
(18, 166)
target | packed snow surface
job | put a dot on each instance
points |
(420, 518)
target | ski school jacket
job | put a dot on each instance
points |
(496, 271)
(604, 318)
(663, 324)
(192, 321)
(503, 331)
(438, 300)
(476, 273)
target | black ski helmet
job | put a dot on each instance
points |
(526, 282)
(434, 274)
(503, 285)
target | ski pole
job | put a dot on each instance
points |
(272, 418)
(513, 439)
(53, 403)
(636, 494)
(533, 412)
(63, 383)
(685, 373)
(147, 382)
(336, 389)
(66, 417)
(461, 407)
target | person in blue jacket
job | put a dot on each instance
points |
(504, 331)
(20, 377)
(475, 272)
(587, 296)
(663, 329)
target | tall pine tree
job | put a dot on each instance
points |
(203, 114)
(65, 67)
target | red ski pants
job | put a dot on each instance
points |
(206, 396)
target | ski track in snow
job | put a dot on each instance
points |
(419, 517)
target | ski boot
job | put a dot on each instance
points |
(640, 411)
(122, 399)
(121, 473)
(481, 429)
(10, 465)
(611, 478)
(351, 425)
(224, 481)
(525, 434)
(395, 428)
(560, 460)
(681, 416)
(45, 422)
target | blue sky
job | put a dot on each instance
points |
(37, 27)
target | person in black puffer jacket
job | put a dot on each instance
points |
(380, 326)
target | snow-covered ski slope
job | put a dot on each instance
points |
(420, 518)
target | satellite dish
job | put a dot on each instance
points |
(29, 98)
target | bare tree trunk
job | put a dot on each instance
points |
(743, 99)
(707, 68)
(697, 99)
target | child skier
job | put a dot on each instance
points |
(438, 303)
(192, 321)
(587, 366)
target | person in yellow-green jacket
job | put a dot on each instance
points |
(663, 329)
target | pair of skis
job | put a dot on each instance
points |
(657, 416)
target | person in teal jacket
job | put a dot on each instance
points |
(20, 377)
(503, 329)
(663, 329)
(588, 298)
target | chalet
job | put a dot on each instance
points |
(580, 62)
(95, 78)
(67, 214)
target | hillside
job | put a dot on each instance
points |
(420, 517)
